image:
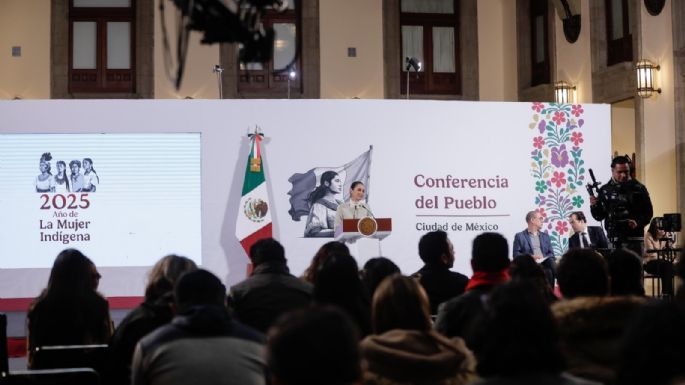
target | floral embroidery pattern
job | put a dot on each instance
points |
(557, 166)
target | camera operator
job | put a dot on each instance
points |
(624, 206)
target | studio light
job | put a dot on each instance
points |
(414, 63)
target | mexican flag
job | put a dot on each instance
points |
(254, 213)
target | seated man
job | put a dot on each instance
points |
(271, 290)
(533, 241)
(202, 344)
(584, 235)
(490, 263)
(440, 284)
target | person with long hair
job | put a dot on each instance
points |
(45, 182)
(61, 179)
(653, 265)
(148, 316)
(69, 311)
(338, 283)
(404, 348)
(76, 178)
(90, 177)
(323, 203)
(321, 256)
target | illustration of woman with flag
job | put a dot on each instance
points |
(323, 206)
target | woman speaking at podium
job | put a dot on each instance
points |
(356, 207)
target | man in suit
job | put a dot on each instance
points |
(584, 235)
(532, 241)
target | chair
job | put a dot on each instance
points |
(71, 356)
(73, 376)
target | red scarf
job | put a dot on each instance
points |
(480, 278)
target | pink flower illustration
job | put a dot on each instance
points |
(537, 107)
(577, 138)
(559, 178)
(542, 212)
(562, 227)
(538, 142)
(559, 117)
(576, 110)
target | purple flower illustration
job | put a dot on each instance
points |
(559, 156)
(542, 126)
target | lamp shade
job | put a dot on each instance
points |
(645, 78)
(563, 92)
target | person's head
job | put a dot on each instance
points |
(375, 270)
(197, 288)
(44, 164)
(400, 303)
(620, 169)
(317, 345)
(267, 250)
(655, 230)
(72, 274)
(436, 248)
(489, 253)
(582, 273)
(332, 181)
(534, 220)
(524, 268)
(165, 273)
(625, 270)
(578, 221)
(517, 334)
(87, 164)
(337, 283)
(321, 255)
(329, 183)
(75, 166)
(61, 166)
(357, 191)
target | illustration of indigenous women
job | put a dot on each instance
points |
(323, 206)
(44, 180)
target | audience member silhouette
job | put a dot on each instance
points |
(148, 316)
(404, 347)
(376, 270)
(490, 263)
(69, 311)
(525, 268)
(271, 290)
(202, 344)
(314, 346)
(582, 273)
(518, 341)
(321, 255)
(441, 284)
(652, 351)
(338, 283)
(625, 270)
(590, 322)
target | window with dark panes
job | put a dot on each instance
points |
(540, 62)
(430, 33)
(274, 74)
(101, 46)
(619, 33)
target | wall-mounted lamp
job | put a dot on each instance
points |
(563, 92)
(645, 78)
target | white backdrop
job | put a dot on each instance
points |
(537, 153)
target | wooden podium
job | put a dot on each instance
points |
(367, 227)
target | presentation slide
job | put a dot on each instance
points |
(124, 199)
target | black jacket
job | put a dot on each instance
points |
(271, 291)
(618, 202)
(441, 284)
(596, 236)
